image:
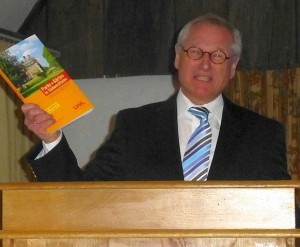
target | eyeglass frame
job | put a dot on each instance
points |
(203, 52)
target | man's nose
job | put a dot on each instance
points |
(204, 61)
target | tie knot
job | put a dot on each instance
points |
(199, 112)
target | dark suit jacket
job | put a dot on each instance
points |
(144, 146)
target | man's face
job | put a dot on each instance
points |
(201, 80)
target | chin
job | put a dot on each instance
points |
(200, 99)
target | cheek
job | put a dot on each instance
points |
(182, 63)
(225, 74)
(185, 74)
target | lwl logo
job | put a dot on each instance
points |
(78, 105)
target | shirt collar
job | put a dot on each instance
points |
(215, 107)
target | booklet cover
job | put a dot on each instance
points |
(35, 76)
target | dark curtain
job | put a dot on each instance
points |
(136, 37)
(270, 28)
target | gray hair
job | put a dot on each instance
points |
(218, 21)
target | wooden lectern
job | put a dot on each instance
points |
(139, 214)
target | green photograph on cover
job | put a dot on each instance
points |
(29, 64)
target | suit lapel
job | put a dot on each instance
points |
(229, 135)
(167, 136)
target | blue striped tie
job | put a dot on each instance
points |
(196, 157)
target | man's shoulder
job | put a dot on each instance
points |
(151, 108)
(248, 115)
(144, 108)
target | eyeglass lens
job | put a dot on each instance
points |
(215, 56)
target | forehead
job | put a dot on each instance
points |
(206, 35)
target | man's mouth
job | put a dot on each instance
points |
(202, 78)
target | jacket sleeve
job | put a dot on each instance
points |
(277, 155)
(59, 164)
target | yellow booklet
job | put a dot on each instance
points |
(35, 76)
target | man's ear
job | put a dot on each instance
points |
(177, 56)
(233, 67)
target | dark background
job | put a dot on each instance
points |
(113, 38)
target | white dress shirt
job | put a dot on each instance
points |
(48, 146)
(187, 123)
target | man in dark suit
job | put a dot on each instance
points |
(148, 143)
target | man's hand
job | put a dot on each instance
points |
(37, 120)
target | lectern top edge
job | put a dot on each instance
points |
(150, 184)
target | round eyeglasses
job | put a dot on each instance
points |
(196, 53)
